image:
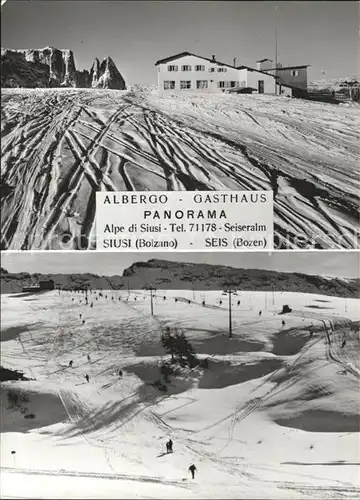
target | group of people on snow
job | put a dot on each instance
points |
(87, 378)
(169, 449)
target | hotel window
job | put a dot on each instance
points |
(172, 67)
(225, 85)
(202, 84)
(233, 84)
(169, 84)
(294, 72)
(222, 70)
(199, 67)
(185, 84)
(211, 70)
(186, 67)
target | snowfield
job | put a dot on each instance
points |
(59, 147)
(275, 414)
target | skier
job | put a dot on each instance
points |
(83, 322)
(260, 312)
(80, 315)
(203, 302)
(71, 363)
(170, 446)
(192, 469)
(87, 378)
(220, 302)
(238, 302)
(343, 344)
(283, 323)
(88, 357)
(120, 373)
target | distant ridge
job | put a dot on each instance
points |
(165, 274)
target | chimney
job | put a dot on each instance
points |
(264, 64)
(234, 62)
(213, 58)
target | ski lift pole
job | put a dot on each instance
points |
(229, 292)
(230, 318)
(29, 333)
(326, 331)
(151, 289)
(22, 345)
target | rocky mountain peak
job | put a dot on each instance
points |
(108, 75)
(94, 72)
(52, 67)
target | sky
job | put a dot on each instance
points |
(325, 263)
(135, 34)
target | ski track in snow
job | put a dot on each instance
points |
(113, 476)
(60, 148)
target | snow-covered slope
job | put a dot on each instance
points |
(274, 415)
(60, 147)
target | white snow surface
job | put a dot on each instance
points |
(61, 146)
(274, 415)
